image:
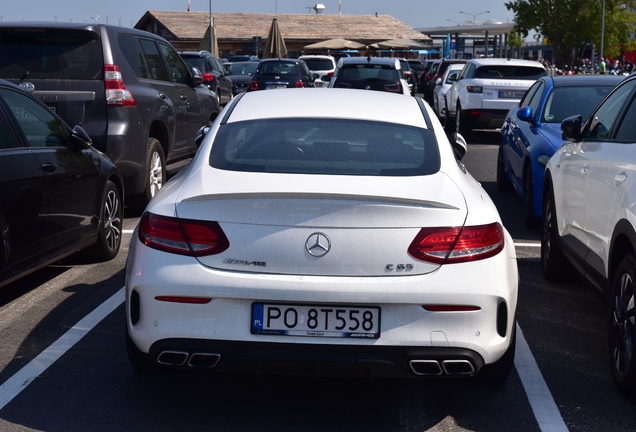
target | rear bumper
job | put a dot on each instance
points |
(484, 118)
(315, 360)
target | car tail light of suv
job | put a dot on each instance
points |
(207, 77)
(393, 87)
(116, 92)
(254, 85)
(300, 84)
(447, 245)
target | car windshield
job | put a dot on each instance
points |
(319, 64)
(278, 68)
(325, 146)
(564, 102)
(510, 72)
(241, 68)
(54, 54)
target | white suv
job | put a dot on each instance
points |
(486, 89)
(320, 65)
(589, 217)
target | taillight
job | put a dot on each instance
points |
(300, 84)
(254, 85)
(457, 244)
(116, 92)
(182, 236)
(393, 87)
(207, 77)
(474, 89)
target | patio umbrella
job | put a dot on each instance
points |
(205, 42)
(401, 44)
(275, 45)
(334, 44)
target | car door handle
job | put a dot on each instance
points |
(585, 170)
(161, 95)
(49, 167)
(620, 178)
(183, 98)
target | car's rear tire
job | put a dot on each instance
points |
(462, 124)
(503, 183)
(622, 322)
(552, 258)
(449, 122)
(529, 219)
(498, 372)
(111, 220)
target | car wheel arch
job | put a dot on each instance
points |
(622, 244)
(159, 131)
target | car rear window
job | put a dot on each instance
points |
(510, 72)
(50, 54)
(278, 68)
(319, 64)
(196, 62)
(325, 146)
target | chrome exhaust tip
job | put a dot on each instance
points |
(426, 367)
(458, 367)
(172, 358)
(204, 360)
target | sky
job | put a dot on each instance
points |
(415, 13)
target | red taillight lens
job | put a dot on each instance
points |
(393, 87)
(254, 85)
(116, 92)
(300, 84)
(207, 77)
(474, 89)
(457, 244)
(182, 236)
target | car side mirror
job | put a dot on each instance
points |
(197, 77)
(525, 113)
(571, 128)
(438, 81)
(460, 147)
(201, 133)
(80, 138)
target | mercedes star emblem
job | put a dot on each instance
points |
(318, 244)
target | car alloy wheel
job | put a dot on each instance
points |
(552, 261)
(622, 325)
(110, 225)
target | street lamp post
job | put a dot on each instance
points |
(474, 15)
(602, 29)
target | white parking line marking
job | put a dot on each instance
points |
(18, 382)
(545, 410)
(543, 405)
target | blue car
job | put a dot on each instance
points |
(532, 132)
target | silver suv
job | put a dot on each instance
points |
(128, 89)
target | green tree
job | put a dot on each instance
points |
(570, 25)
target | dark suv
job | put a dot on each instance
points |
(128, 89)
(281, 73)
(215, 77)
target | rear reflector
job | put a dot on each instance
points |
(190, 300)
(182, 236)
(447, 245)
(116, 92)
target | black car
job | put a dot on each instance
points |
(241, 75)
(129, 89)
(59, 194)
(281, 73)
(215, 77)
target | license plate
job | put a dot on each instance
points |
(275, 86)
(335, 321)
(511, 94)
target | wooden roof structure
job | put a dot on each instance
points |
(305, 28)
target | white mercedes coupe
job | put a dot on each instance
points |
(324, 233)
